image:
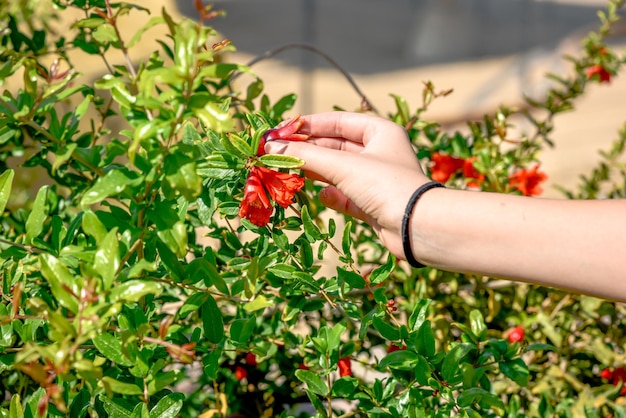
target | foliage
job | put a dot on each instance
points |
(130, 287)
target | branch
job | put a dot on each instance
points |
(365, 103)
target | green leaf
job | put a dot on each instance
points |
(15, 408)
(346, 241)
(345, 387)
(314, 383)
(419, 314)
(281, 161)
(111, 385)
(453, 359)
(426, 340)
(113, 183)
(114, 407)
(107, 258)
(63, 285)
(380, 273)
(168, 407)
(484, 399)
(312, 231)
(516, 370)
(540, 346)
(260, 302)
(241, 329)
(477, 324)
(175, 238)
(134, 290)
(111, 347)
(388, 331)
(6, 180)
(354, 280)
(212, 321)
(37, 217)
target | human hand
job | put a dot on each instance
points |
(369, 163)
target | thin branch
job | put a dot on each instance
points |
(365, 103)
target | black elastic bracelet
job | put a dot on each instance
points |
(406, 241)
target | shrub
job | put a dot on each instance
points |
(131, 287)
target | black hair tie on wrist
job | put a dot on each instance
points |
(406, 241)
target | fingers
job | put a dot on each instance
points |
(355, 127)
(359, 132)
(324, 163)
(332, 198)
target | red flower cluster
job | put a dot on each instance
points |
(616, 377)
(281, 187)
(527, 181)
(603, 75)
(345, 366)
(445, 166)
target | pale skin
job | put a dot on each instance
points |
(371, 170)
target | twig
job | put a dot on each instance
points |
(271, 53)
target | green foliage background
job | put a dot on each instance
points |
(131, 288)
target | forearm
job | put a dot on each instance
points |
(568, 244)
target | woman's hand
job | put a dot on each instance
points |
(369, 163)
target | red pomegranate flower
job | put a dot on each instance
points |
(286, 130)
(282, 187)
(255, 206)
(345, 366)
(444, 166)
(470, 172)
(527, 181)
(597, 70)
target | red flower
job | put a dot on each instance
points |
(303, 366)
(241, 373)
(515, 335)
(251, 359)
(470, 172)
(444, 166)
(345, 366)
(282, 187)
(597, 70)
(527, 181)
(286, 130)
(255, 206)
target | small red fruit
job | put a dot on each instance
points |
(345, 366)
(515, 335)
(241, 373)
(251, 359)
(303, 366)
(606, 374)
(393, 347)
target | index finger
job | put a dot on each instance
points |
(358, 128)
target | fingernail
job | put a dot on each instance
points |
(276, 147)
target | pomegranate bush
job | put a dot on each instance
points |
(168, 267)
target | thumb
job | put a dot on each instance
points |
(332, 165)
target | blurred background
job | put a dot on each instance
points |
(489, 52)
